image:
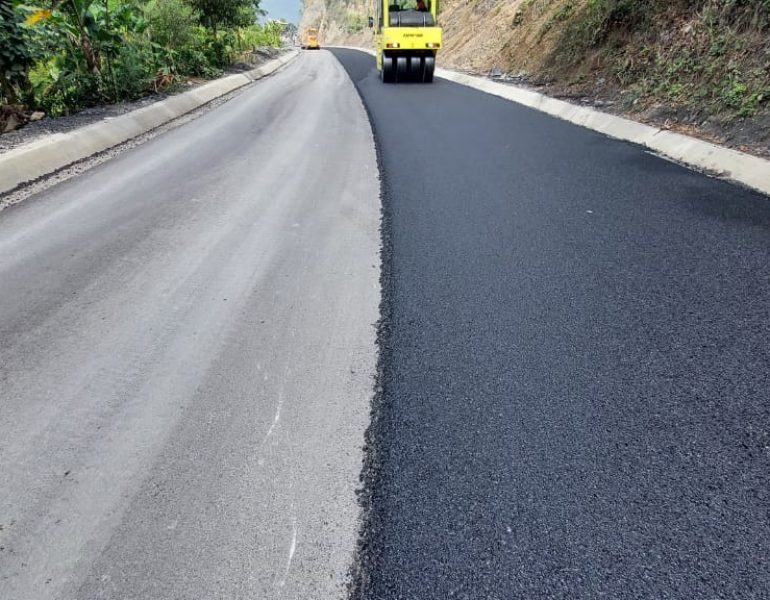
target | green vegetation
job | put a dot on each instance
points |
(355, 23)
(59, 56)
(560, 16)
(707, 55)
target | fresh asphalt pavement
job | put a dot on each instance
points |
(575, 364)
(187, 353)
(573, 360)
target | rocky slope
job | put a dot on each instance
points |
(339, 21)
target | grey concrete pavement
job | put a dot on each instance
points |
(187, 356)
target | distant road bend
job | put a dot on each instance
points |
(573, 360)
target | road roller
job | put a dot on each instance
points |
(407, 39)
(311, 40)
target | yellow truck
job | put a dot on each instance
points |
(407, 39)
(311, 40)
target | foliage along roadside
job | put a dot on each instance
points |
(711, 56)
(60, 56)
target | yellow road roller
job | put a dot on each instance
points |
(311, 40)
(407, 38)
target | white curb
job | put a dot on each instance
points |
(749, 170)
(44, 156)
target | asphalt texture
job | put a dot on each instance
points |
(575, 367)
(187, 355)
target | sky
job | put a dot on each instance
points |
(288, 10)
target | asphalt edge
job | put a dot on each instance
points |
(726, 163)
(363, 562)
(52, 153)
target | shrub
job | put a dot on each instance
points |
(79, 53)
(16, 57)
(172, 23)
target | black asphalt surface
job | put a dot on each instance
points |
(575, 360)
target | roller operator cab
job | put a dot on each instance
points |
(311, 40)
(407, 39)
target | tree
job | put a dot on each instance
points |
(172, 22)
(227, 13)
(78, 13)
(15, 55)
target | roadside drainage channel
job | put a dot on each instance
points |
(50, 154)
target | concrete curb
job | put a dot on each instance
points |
(740, 167)
(44, 156)
(749, 170)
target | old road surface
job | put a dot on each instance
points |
(576, 363)
(187, 357)
(574, 359)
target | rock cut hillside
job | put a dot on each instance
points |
(339, 21)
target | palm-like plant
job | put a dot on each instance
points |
(83, 25)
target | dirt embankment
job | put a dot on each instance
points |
(698, 66)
